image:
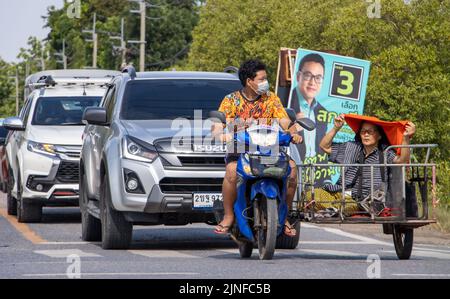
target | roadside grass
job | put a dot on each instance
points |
(443, 194)
(443, 218)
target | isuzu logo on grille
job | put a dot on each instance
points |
(209, 148)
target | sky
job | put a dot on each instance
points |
(20, 19)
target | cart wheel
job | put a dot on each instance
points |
(246, 249)
(403, 241)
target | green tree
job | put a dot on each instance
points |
(408, 47)
(7, 90)
(168, 33)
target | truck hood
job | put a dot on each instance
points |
(151, 130)
(59, 135)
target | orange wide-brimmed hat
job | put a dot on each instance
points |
(393, 129)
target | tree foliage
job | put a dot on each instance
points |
(168, 32)
(409, 47)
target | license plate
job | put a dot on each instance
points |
(205, 200)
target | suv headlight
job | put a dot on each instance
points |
(41, 148)
(135, 149)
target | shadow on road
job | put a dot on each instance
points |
(61, 215)
(182, 237)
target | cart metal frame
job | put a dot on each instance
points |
(400, 226)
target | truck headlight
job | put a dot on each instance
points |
(41, 148)
(135, 149)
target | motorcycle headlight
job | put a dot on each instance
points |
(262, 138)
(41, 148)
(138, 150)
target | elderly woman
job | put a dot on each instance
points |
(370, 142)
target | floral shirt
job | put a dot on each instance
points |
(266, 109)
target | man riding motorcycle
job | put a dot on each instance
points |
(253, 103)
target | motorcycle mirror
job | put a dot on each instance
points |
(291, 113)
(218, 116)
(306, 123)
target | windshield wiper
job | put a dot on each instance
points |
(72, 124)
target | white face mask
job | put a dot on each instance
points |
(263, 88)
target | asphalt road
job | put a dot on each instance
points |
(53, 249)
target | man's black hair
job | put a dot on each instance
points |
(383, 141)
(313, 57)
(249, 69)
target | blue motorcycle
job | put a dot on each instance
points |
(263, 168)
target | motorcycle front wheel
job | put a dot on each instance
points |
(266, 224)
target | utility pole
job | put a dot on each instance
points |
(17, 91)
(16, 79)
(142, 42)
(42, 58)
(123, 43)
(94, 40)
(142, 54)
(62, 55)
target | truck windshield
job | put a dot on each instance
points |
(173, 98)
(62, 111)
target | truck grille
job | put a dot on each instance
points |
(188, 185)
(68, 172)
(202, 161)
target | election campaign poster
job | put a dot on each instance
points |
(323, 86)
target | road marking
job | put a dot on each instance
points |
(231, 250)
(67, 243)
(366, 240)
(333, 242)
(111, 274)
(331, 252)
(308, 225)
(437, 255)
(431, 249)
(421, 274)
(162, 254)
(22, 228)
(64, 253)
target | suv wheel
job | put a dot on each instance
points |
(91, 228)
(11, 202)
(26, 212)
(116, 231)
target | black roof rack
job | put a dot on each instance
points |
(46, 80)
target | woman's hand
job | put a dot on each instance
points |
(339, 121)
(410, 129)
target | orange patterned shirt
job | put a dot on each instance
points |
(267, 108)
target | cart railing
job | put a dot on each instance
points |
(395, 193)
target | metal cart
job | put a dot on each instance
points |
(406, 197)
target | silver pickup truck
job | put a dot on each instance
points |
(146, 158)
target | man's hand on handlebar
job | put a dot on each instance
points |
(296, 139)
(225, 138)
(293, 131)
